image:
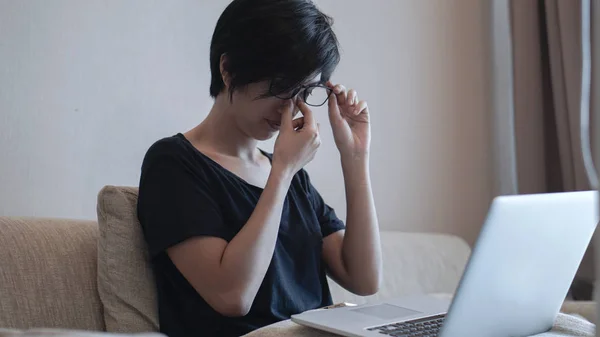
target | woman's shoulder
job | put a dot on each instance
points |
(166, 147)
(176, 146)
(172, 151)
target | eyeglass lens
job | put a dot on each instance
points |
(315, 96)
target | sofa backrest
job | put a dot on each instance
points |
(48, 274)
(414, 263)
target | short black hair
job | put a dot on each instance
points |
(285, 42)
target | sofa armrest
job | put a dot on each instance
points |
(414, 263)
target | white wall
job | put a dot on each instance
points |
(87, 86)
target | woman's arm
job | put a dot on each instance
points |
(353, 256)
(228, 275)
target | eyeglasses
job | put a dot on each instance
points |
(313, 95)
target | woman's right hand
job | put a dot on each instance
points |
(297, 142)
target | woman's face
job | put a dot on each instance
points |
(260, 118)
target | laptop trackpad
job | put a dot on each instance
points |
(386, 311)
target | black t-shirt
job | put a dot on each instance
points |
(183, 194)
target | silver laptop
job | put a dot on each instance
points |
(514, 284)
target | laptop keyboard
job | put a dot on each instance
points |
(424, 327)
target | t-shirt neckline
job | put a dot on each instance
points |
(221, 167)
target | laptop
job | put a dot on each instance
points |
(516, 279)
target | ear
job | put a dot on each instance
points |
(224, 72)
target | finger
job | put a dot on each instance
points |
(306, 112)
(318, 138)
(334, 110)
(298, 123)
(287, 117)
(352, 97)
(361, 107)
(340, 91)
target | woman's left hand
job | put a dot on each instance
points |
(349, 119)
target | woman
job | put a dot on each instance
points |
(239, 238)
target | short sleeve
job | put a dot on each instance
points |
(328, 220)
(176, 203)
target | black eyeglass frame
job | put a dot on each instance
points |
(303, 91)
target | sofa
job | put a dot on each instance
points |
(68, 276)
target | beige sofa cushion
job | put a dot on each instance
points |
(48, 274)
(125, 280)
